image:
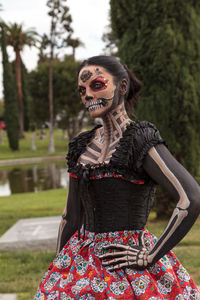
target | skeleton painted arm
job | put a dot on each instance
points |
(69, 221)
(168, 173)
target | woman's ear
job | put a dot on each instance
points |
(123, 87)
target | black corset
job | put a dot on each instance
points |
(114, 204)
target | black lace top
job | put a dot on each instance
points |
(118, 195)
(127, 159)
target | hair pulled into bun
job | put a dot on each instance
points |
(134, 90)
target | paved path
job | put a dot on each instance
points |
(29, 160)
(31, 234)
(8, 297)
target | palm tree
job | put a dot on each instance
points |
(17, 37)
(43, 44)
(74, 43)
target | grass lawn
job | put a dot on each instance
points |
(188, 250)
(24, 269)
(30, 205)
(41, 145)
(21, 271)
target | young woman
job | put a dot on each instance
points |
(104, 250)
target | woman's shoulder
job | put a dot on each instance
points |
(145, 135)
(143, 125)
(144, 130)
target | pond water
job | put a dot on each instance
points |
(33, 178)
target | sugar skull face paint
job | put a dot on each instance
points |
(97, 71)
(85, 75)
(98, 92)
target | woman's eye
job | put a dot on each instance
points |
(98, 85)
(81, 91)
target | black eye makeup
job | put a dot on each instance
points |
(98, 84)
(81, 90)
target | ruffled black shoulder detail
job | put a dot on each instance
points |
(137, 139)
(146, 136)
(122, 157)
(133, 146)
(78, 145)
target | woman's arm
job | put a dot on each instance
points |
(164, 169)
(69, 222)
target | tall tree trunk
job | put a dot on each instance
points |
(19, 93)
(73, 52)
(51, 125)
(1, 136)
(10, 97)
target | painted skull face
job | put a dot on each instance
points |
(97, 90)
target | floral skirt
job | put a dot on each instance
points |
(77, 273)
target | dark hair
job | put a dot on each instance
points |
(120, 72)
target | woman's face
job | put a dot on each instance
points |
(97, 90)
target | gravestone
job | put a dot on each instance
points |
(31, 234)
(8, 297)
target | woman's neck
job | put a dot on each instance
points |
(114, 124)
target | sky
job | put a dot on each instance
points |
(90, 21)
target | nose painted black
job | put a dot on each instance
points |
(88, 97)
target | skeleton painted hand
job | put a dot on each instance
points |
(126, 256)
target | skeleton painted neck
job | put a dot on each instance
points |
(114, 124)
(107, 137)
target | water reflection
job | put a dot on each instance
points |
(23, 179)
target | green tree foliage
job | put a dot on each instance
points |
(17, 37)
(26, 96)
(159, 40)
(44, 42)
(39, 106)
(74, 43)
(1, 109)
(60, 27)
(67, 104)
(25, 93)
(10, 98)
(109, 38)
